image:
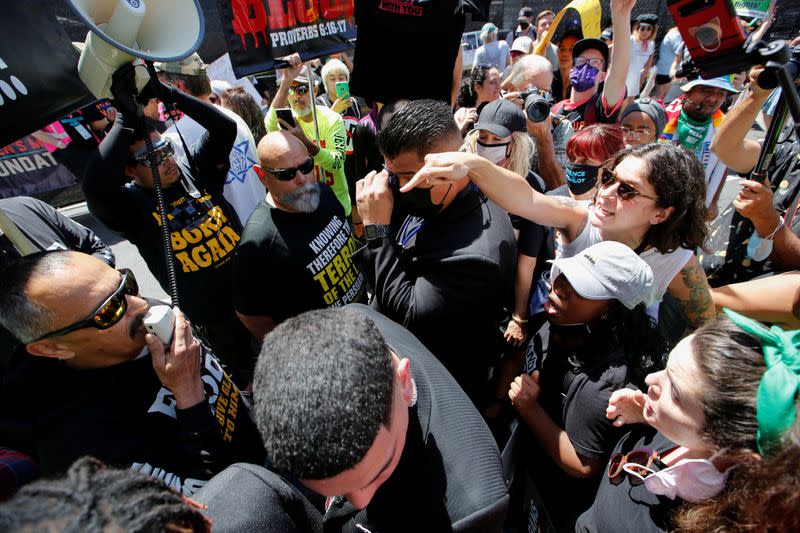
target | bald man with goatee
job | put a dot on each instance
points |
(296, 250)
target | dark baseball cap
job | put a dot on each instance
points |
(502, 118)
(525, 12)
(591, 44)
(648, 18)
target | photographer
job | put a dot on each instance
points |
(120, 190)
(758, 232)
(532, 79)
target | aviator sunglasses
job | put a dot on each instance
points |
(162, 151)
(287, 174)
(110, 311)
(625, 191)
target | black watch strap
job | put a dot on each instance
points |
(375, 231)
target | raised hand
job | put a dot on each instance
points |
(625, 407)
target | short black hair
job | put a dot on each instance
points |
(93, 498)
(24, 318)
(323, 387)
(418, 125)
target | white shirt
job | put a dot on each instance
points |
(242, 189)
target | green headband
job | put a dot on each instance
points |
(775, 403)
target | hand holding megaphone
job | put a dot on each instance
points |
(124, 91)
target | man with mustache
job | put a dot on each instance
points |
(204, 228)
(298, 235)
(326, 141)
(106, 388)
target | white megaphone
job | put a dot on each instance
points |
(123, 30)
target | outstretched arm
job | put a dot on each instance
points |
(504, 187)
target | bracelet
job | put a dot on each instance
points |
(518, 320)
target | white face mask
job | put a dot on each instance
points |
(759, 249)
(495, 153)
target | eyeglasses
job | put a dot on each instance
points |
(594, 62)
(287, 174)
(637, 134)
(110, 311)
(617, 465)
(299, 89)
(162, 151)
(625, 191)
(645, 27)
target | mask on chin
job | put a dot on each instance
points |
(495, 153)
(583, 78)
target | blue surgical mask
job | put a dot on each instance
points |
(582, 78)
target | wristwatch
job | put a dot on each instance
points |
(374, 232)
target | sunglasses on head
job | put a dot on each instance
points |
(299, 89)
(625, 191)
(162, 151)
(617, 471)
(110, 311)
(287, 174)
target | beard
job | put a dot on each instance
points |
(304, 199)
(304, 112)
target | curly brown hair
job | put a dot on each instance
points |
(761, 496)
(240, 102)
(680, 182)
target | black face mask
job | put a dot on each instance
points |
(581, 178)
(417, 202)
(524, 25)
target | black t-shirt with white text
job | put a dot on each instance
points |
(288, 263)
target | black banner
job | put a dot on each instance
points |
(38, 70)
(257, 32)
(28, 168)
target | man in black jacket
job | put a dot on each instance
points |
(105, 388)
(446, 270)
(204, 228)
(44, 228)
(354, 406)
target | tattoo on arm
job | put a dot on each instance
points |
(699, 307)
(565, 200)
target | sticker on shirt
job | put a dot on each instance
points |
(241, 163)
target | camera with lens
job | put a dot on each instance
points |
(537, 104)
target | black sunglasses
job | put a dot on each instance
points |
(287, 174)
(299, 89)
(110, 311)
(626, 191)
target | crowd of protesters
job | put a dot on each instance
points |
(378, 298)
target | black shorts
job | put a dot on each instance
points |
(661, 79)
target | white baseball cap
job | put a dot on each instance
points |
(608, 270)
